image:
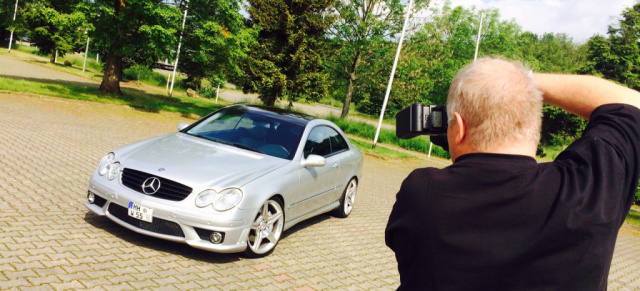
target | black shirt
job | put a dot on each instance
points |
(505, 222)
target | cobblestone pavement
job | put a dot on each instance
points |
(48, 239)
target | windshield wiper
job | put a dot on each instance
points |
(236, 144)
(246, 147)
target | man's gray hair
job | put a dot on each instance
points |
(499, 102)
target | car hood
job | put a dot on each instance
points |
(199, 163)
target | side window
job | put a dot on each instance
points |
(338, 144)
(318, 142)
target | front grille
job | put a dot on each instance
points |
(169, 190)
(158, 225)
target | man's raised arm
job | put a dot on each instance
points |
(581, 95)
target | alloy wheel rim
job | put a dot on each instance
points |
(350, 196)
(266, 229)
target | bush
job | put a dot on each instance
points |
(207, 92)
(147, 75)
(638, 196)
(67, 63)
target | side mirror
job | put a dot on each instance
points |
(182, 125)
(313, 161)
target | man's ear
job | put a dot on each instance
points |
(461, 127)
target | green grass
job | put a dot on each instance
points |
(131, 97)
(365, 130)
(331, 102)
(633, 217)
(380, 152)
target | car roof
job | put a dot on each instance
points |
(281, 114)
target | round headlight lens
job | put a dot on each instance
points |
(113, 170)
(105, 162)
(205, 198)
(227, 199)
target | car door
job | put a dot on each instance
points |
(341, 153)
(317, 184)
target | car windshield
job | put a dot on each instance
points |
(237, 126)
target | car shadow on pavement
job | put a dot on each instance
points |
(304, 224)
(157, 244)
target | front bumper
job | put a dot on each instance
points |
(169, 213)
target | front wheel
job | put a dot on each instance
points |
(266, 229)
(347, 200)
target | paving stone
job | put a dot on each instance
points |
(48, 240)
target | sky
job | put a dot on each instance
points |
(580, 19)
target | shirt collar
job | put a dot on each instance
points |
(491, 158)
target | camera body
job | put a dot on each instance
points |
(419, 119)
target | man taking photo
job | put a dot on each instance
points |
(496, 219)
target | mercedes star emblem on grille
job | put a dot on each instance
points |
(151, 185)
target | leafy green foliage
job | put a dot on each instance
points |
(617, 56)
(52, 30)
(215, 41)
(286, 60)
(442, 46)
(358, 36)
(131, 32)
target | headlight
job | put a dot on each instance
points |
(225, 200)
(113, 171)
(205, 198)
(105, 163)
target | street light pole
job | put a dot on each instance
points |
(175, 66)
(393, 72)
(86, 51)
(15, 11)
(475, 56)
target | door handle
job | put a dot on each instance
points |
(335, 165)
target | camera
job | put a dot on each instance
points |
(419, 119)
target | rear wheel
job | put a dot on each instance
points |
(266, 229)
(348, 199)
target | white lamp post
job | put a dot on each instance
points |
(15, 10)
(175, 66)
(393, 72)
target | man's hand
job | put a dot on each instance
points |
(581, 95)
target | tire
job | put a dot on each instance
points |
(347, 200)
(269, 227)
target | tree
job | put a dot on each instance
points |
(360, 30)
(287, 58)
(131, 31)
(55, 27)
(617, 57)
(433, 55)
(215, 42)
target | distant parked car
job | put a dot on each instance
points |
(231, 182)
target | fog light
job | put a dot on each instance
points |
(216, 237)
(91, 197)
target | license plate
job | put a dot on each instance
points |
(140, 212)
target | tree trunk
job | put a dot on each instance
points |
(53, 56)
(112, 74)
(352, 79)
(347, 98)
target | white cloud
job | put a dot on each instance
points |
(579, 19)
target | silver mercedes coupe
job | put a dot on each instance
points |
(231, 182)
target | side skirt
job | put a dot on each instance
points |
(322, 210)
